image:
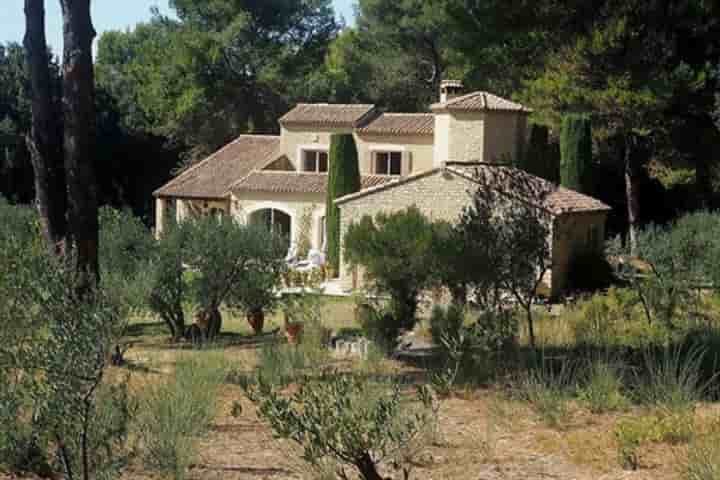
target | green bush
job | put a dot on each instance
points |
(446, 323)
(343, 179)
(547, 387)
(397, 252)
(379, 325)
(703, 458)
(671, 378)
(174, 414)
(126, 244)
(350, 422)
(603, 389)
(662, 426)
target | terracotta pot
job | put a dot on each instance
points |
(292, 332)
(256, 321)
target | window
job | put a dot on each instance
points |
(315, 161)
(388, 163)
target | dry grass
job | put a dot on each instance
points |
(483, 434)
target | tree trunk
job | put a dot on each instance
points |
(45, 139)
(531, 326)
(79, 115)
(631, 194)
(367, 468)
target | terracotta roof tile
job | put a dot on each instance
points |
(557, 200)
(212, 177)
(295, 182)
(479, 101)
(328, 114)
(401, 124)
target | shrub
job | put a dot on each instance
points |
(397, 252)
(343, 179)
(379, 325)
(703, 459)
(126, 244)
(349, 421)
(446, 324)
(603, 390)
(546, 386)
(174, 414)
(662, 426)
(673, 262)
(671, 378)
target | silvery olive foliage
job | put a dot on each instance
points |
(349, 422)
(59, 413)
(673, 265)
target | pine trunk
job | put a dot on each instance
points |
(79, 140)
(45, 139)
(632, 196)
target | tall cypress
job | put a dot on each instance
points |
(540, 158)
(343, 179)
(576, 153)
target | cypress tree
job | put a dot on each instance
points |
(343, 179)
(576, 153)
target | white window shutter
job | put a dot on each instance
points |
(407, 163)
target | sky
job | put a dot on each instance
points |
(106, 15)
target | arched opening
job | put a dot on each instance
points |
(274, 220)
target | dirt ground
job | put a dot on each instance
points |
(482, 434)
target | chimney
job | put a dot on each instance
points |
(450, 89)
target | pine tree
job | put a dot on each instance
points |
(343, 179)
(576, 153)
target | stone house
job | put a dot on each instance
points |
(421, 159)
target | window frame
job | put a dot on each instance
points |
(318, 151)
(388, 170)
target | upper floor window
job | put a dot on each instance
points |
(388, 163)
(315, 161)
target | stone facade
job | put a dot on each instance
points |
(437, 194)
(442, 195)
(490, 137)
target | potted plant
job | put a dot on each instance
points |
(257, 296)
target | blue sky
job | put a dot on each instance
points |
(107, 15)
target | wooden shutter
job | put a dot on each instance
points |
(406, 163)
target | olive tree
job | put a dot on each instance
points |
(674, 263)
(506, 232)
(55, 348)
(211, 261)
(346, 421)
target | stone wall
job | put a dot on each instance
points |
(442, 195)
(439, 195)
(504, 136)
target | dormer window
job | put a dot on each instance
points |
(388, 163)
(315, 161)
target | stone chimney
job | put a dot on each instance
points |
(450, 89)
